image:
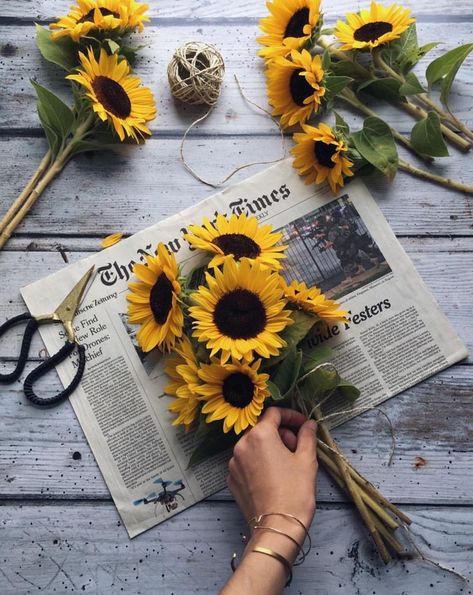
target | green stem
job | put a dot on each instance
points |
(349, 97)
(54, 169)
(18, 203)
(426, 175)
(424, 98)
(363, 74)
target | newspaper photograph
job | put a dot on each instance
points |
(395, 337)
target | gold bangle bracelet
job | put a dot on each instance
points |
(268, 552)
(294, 541)
(257, 520)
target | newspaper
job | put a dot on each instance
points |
(396, 336)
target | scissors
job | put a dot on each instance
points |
(64, 314)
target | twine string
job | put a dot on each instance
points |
(241, 167)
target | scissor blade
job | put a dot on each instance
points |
(66, 311)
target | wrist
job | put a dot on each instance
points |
(282, 534)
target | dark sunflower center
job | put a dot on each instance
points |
(89, 17)
(237, 244)
(112, 96)
(372, 31)
(324, 153)
(299, 87)
(295, 26)
(240, 314)
(238, 390)
(160, 299)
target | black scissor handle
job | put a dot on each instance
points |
(48, 365)
(30, 330)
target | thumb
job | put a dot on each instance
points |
(307, 439)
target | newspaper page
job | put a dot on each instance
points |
(396, 336)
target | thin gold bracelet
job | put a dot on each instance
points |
(257, 520)
(294, 541)
(268, 552)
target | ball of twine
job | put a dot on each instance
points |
(195, 73)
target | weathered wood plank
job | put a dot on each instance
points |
(63, 549)
(167, 9)
(37, 447)
(66, 244)
(232, 115)
(138, 186)
(444, 272)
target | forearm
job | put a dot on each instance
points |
(260, 573)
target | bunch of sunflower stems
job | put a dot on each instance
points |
(110, 104)
(239, 336)
(374, 509)
(309, 68)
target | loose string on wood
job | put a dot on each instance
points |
(195, 76)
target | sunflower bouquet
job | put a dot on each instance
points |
(110, 105)
(236, 338)
(373, 52)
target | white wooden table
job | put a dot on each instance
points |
(59, 530)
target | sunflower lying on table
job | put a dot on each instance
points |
(235, 334)
(110, 106)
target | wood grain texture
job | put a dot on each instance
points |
(37, 447)
(204, 9)
(59, 530)
(138, 186)
(232, 115)
(62, 549)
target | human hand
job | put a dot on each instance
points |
(274, 466)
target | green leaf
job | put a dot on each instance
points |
(340, 125)
(376, 144)
(412, 85)
(55, 113)
(425, 49)
(113, 45)
(385, 88)
(446, 67)
(274, 390)
(287, 373)
(426, 136)
(315, 387)
(53, 139)
(335, 84)
(314, 357)
(348, 390)
(214, 443)
(61, 52)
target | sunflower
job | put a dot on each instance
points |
(154, 301)
(241, 311)
(234, 392)
(312, 300)
(100, 15)
(290, 24)
(319, 156)
(182, 369)
(370, 28)
(295, 87)
(116, 95)
(237, 237)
